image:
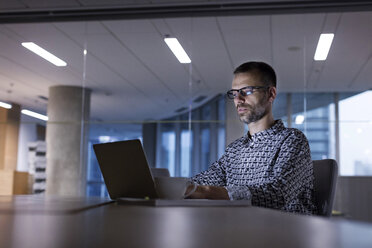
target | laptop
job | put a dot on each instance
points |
(129, 180)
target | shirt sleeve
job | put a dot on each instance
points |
(215, 175)
(292, 171)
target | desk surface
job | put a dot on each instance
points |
(112, 225)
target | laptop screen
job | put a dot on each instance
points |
(125, 169)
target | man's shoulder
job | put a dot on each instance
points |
(293, 134)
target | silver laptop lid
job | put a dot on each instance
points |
(125, 170)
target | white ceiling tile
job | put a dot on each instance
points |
(350, 50)
(248, 38)
(134, 75)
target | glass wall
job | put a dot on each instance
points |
(103, 133)
(178, 153)
(134, 79)
(356, 134)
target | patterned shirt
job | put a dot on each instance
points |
(272, 168)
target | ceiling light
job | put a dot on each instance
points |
(324, 44)
(177, 50)
(44, 53)
(35, 115)
(299, 119)
(5, 105)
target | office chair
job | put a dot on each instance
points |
(325, 177)
(159, 172)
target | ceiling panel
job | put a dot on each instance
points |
(292, 49)
(348, 53)
(207, 37)
(54, 42)
(247, 38)
(129, 66)
(157, 63)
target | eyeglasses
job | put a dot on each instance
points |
(245, 91)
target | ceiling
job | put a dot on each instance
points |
(134, 76)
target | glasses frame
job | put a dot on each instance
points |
(230, 94)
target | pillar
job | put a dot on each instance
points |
(149, 142)
(67, 140)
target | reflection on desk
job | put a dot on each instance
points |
(112, 225)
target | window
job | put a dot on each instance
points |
(103, 133)
(355, 135)
(189, 149)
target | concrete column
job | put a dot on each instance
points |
(149, 142)
(234, 126)
(66, 138)
(9, 132)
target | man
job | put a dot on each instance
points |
(271, 164)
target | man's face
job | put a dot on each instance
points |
(253, 107)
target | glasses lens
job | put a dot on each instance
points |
(231, 94)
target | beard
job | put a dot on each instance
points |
(253, 113)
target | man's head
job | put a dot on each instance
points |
(253, 91)
(263, 72)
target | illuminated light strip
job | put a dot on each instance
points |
(177, 50)
(322, 49)
(35, 115)
(5, 105)
(44, 53)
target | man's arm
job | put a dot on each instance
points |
(215, 175)
(211, 182)
(209, 192)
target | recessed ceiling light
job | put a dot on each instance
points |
(324, 44)
(294, 48)
(34, 114)
(44, 53)
(5, 105)
(177, 50)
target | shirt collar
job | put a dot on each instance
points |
(264, 134)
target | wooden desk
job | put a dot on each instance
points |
(92, 223)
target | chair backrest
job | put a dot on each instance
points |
(325, 177)
(159, 172)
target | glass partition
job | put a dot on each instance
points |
(135, 80)
(355, 135)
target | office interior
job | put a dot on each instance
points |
(121, 81)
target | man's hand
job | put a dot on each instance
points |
(208, 192)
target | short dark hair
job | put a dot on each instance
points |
(264, 71)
